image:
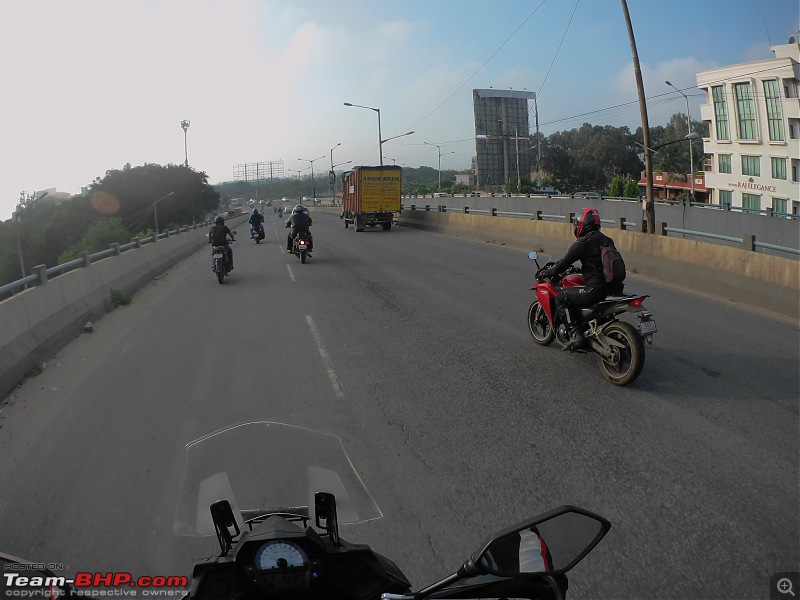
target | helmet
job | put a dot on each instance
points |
(585, 221)
(219, 220)
(299, 209)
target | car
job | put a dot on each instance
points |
(284, 199)
(587, 195)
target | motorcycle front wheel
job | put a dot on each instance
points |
(539, 326)
(627, 359)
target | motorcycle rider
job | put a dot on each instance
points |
(299, 221)
(256, 221)
(587, 249)
(218, 236)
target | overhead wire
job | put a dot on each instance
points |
(479, 69)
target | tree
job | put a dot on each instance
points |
(100, 235)
(617, 188)
(632, 189)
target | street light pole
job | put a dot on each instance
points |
(155, 214)
(439, 148)
(185, 126)
(313, 183)
(380, 136)
(689, 123)
(332, 176)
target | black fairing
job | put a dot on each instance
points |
(347, 571)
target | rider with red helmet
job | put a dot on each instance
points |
(587, 249)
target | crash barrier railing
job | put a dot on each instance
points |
(768, 212)
(747, 242)
(41, 273)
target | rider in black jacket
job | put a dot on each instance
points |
(299, 221)
(586, 249)
(256, 221)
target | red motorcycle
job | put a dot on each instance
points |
(619, 345)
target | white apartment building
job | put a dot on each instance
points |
(753, 148)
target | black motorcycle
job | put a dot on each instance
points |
(277, 526)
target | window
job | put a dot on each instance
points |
(780, 206)
(745, 111)
(724, 163)
(725, 197)
(778, 168)
(751, 165)
(774, 114)
(721, 113)
(751, 202)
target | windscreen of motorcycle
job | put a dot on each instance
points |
(264, 465)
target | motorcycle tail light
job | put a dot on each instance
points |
(638, 302)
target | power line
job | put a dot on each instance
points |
(559, 47)
(446, 100)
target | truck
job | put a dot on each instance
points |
(371, 196)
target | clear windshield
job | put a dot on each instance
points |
(262, 465)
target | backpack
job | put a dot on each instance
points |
(217, 235)
(613, 265)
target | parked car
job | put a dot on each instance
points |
(587, 195)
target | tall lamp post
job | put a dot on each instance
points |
(687, 138)
(377, 110)
(20, 210)
(689, 123)
(155, 214)
(313, 183)
(332, 175)
(439, 148)
(185, 127)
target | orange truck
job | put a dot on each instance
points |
(371, 196)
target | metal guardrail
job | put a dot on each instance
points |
(42, 274)
(748, 243)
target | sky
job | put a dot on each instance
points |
(89, 85)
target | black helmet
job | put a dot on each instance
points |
(585, 221)
(220, 220)
(299, 209)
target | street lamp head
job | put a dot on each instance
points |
(347, 104)
(668, 83)
(185, 124)
(692, 136)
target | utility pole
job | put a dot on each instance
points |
(650, 207)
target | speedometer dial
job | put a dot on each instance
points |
(280, 555)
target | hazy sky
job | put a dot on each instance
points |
(90, 85)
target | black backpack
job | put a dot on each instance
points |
(613, 265)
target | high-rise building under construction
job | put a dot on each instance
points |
(502, 140)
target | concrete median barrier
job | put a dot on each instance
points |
(752, 278)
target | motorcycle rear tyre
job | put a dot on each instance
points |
(630, 358)
(303, 256)
(543, 334)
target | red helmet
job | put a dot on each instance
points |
(585, 221)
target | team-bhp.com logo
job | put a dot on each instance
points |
(17, 585)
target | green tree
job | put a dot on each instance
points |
(617, 188)
(632, 189)
(100, 235)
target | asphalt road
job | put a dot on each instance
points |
(413, 348)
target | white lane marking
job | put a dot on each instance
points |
(326, 359)
(291, 274)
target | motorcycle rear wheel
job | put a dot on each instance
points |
(539, 325)
(628, 349)
(303, 256)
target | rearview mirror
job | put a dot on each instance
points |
(551, 544)
(533, 255)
